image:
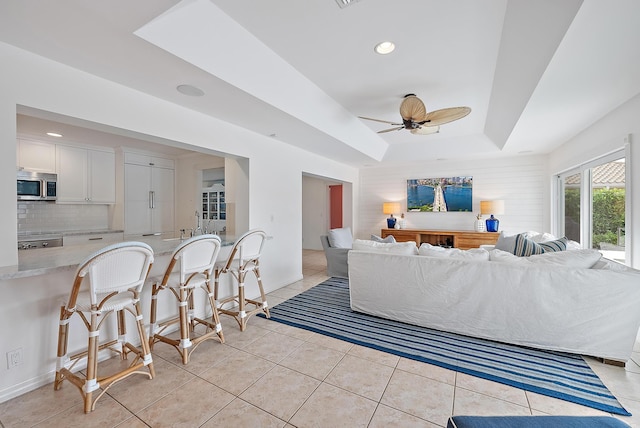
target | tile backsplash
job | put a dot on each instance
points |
(52, 217)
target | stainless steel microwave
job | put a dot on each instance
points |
(37, 186)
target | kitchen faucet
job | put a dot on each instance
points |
(198, 229)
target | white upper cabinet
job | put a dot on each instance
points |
(85, 175)
(36, 156)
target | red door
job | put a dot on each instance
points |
(335, 206)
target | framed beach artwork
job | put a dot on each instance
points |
(447, 194)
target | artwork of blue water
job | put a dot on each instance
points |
(457, 193)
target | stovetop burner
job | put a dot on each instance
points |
(39, 240)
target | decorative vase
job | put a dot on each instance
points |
(492, 224)
(391, 222)
(479, 224)
(402, 223)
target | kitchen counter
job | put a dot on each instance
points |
(48, 260)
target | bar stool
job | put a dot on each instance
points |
(243, 258)
(116, 275)
(191, 267)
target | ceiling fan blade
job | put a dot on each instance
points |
(412, 109)
(391, 129)
(380, 120)
(426, 130)
(446, 115)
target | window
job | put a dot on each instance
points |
(592, 205)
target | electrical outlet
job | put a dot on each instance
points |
(14, 358)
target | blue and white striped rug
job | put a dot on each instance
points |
(325, 309)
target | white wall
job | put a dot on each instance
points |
(522, 182)
(315, 203)
(606, 135)
(273, 171)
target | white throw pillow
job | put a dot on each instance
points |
(429, 250)
(403, 248)
(506, 242)
(389, 239)
(341, 238)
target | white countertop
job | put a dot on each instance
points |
(47, 260)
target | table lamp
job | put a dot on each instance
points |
(390, 208)
(491, 208)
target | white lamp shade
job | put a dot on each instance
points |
(492, 207)
(390, 207)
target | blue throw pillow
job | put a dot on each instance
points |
(526, 247)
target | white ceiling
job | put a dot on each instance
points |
(535, 73)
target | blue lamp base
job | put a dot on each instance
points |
(492, 224)
(391, 222)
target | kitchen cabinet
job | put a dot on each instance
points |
(36, 156)
(92, 238)
(214, 206)
(85, 175)
(149, 195)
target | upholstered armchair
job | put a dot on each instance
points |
(337, 257)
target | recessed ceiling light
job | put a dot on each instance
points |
(54, 134)
(190, 90)
(384, 48)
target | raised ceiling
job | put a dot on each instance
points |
(535, 73)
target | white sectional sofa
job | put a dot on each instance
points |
(570, 302)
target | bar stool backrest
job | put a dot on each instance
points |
(114, 269)
(247, 248)
(195, 255)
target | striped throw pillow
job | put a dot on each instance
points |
(526, 247)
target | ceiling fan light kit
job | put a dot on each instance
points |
(416, 119)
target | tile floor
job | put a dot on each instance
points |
(273, 375)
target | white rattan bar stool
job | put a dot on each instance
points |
(191, 267)
(243, 258)
(115, 277)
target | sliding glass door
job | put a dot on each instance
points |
(591, 207)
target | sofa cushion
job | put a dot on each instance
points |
(478, 254)
(581, 259)
(341, 238)
(403, 248)
(389, 239)
(526, 247)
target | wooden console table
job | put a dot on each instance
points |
(463, 239)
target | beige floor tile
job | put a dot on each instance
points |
(188, 406)
(473, 403)
(633, 407)
(555, 406)
(137, 392)
(289, 330)
(132, 422)
(284, 293)
(427, 370)
(385, 417)
(292, 388)
(330, 342)
(237, 372)
(239, 413)
(313, 360)
(419, 396)
(274, 346)
(201, 358)
(37, 405)
(361, 376)
(108, 412)
(374, 355)
(492, 389)
(330, 406)
(622, 383)
(241, 339)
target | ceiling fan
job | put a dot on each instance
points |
(416, 119)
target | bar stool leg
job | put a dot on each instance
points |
(265, 305)
(63, 338)
(215, 317)
(144, 342)
(185, 342)
(242, 314)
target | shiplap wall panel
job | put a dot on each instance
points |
(522, 182)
